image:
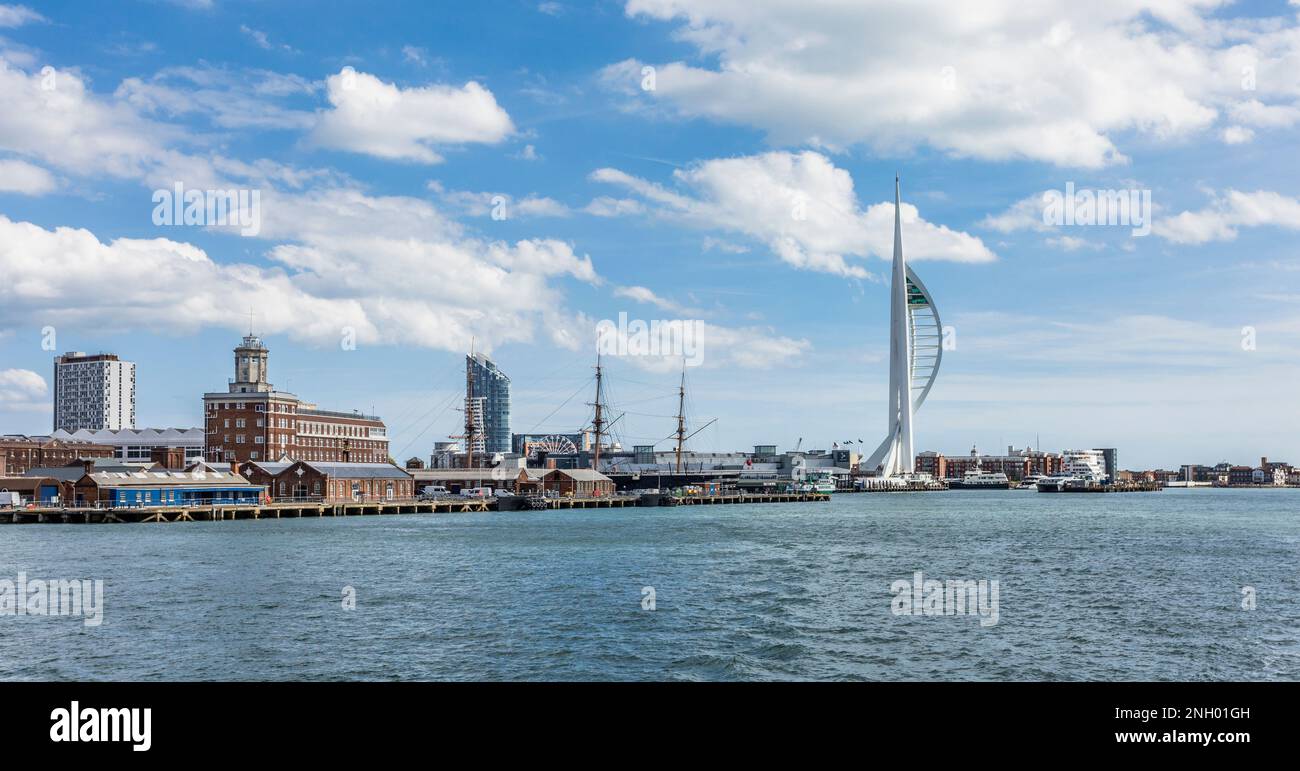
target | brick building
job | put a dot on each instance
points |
(252, 421)
(330, 482)
(1016, 464)
(20, 454)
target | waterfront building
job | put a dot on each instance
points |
(1110, 462)
(93, 392)
(20, 453)
(253, 421)
(915, 350)
(120, 489)
(139, 445)
(330, 482)
(488, 400)
(1016, 464)
(31, 489)
(578, 482)
(1241, 475)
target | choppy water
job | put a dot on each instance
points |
(1092, 587)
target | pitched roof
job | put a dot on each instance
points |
(189, 479)
(580, 474)
(338, 470)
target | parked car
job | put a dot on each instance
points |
(476, 492)
(432, 492)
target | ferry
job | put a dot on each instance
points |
(1066, 482)
(981, 480)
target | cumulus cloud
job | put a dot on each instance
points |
(1053, 81)
(1229, 212)
(22, 177)
(56, 119)
(23, 390)
(382, 119)
(802, 206)
(391, 269)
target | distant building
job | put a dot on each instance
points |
(19, 454)
(140, 444)
(1241, 475)
(488, 398)
(1110, 462)
(93, 392)
(330, 482)
(1016, 464)
(119, 489)
(253, 421)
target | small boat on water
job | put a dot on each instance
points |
(1031, 482)
(981, 480)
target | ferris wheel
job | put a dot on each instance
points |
(552, 444)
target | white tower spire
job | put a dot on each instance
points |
(910, 351)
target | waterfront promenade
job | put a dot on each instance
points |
(87, 515)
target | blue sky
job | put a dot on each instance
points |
(378, 139)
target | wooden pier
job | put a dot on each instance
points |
(223, 513)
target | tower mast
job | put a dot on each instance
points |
(469, 408)
(681, 418)
(598, 423)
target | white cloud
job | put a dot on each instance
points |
(59, 121)
(802, 206)
(1054, 81)
(381, 119)
(502, 205)
(233, 100)
(605, 206)
(1025, 214)
(392, 269)
(22, 177)
(23, 390)
(1229, 212)
(18, 15)
(415, 55)
(645, 295)
(1236, 135)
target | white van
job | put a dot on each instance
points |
(430, 492)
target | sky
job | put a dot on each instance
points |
(431, 177)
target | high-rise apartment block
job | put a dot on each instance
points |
(93, 392)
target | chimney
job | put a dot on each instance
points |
(88, 465)
(234, 467)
